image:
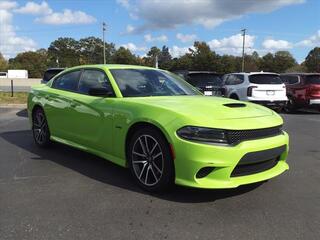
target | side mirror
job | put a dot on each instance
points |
(100, 92)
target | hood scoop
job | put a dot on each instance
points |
(235, 105)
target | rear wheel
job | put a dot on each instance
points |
(150, 160)
(234, 96)
(40, 129)
(290, 106)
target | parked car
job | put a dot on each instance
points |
(3, 75)
(160, 127)
(209, 83)
(50, 73)
(303, 90)
(258, 87)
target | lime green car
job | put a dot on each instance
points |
(159, 126)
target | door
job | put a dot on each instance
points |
(58, 102)
(92, 115)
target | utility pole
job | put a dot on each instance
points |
(243, 44)
(104, 25)
(156, 61)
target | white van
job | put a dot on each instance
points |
(264, 88)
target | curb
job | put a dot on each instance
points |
(12, 105)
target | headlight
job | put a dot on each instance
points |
(200, 134)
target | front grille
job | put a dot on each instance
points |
(236, 136)
(255, 162)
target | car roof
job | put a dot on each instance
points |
(299, 74)
(253, 73)
(111, 66)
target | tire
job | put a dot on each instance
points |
(40, 129)
(150, 160)
(233, 96)
(290, 106)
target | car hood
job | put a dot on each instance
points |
(202, 107)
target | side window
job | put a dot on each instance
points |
(293, 79)
(93, 79)
(284, 79)
(238, 79)
(68, 81)
(229, 80)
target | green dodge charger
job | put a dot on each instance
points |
(159, 126)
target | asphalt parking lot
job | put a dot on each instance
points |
(63, 193)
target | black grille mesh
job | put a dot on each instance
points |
(237, 136)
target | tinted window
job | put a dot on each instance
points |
(234, 79)
(68, 81)
(313, 79)
(292, 79)
(50, 74)
(93, 79)
(149, 82)
(265, 79)
(204, 79)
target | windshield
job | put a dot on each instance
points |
(313, 79)
(265, 79)
(150, 82)
(204, 79)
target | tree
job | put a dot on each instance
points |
(34, 62)
(165, 58)
(64, 52)
(283, 60)
(3, 63)
(124, 56)
(150, 59)
(313, 60)
(267, 63)
(183, 63)
(91, 50)
(203, 57)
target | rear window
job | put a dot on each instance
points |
(265, 79)
(313, 79)
(204, 79)
(50, 74)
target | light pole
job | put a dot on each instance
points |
(104, 25)
(243, 44)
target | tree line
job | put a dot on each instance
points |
(68, 52)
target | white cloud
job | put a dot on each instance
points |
(11, 44)
(176, 51)
(150, 38)
(312, 41)
(233, 44)
(272, 44)
(7, 5)
(134, 48)
(35, 8)
(67, 17)
(157, 14)
(186, 37)
(124, 3)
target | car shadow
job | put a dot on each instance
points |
(22, 113)
(104, 171)
(303, 112)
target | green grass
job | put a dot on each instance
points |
(18, 97)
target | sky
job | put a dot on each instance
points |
(272, 25)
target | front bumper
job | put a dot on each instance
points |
(192, 156)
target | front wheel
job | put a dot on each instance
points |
(40, 129)
(150, 160)
(290, 106)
